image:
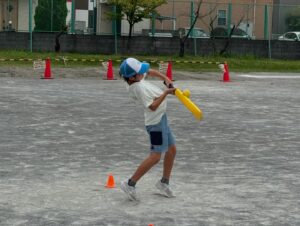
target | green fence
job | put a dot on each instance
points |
(256, 21)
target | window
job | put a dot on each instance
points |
(291, 36)
(221, 17)
(82, 4)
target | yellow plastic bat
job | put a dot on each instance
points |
(184, 98)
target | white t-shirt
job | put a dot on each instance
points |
(143, 92)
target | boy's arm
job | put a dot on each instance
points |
(157, 101)
(157, 74)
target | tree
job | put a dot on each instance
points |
(196, 17)
(133, 11)
(233, 27)
(57, 42)
(50, 20)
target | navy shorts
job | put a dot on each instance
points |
(161, 137)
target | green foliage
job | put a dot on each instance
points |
(43, 15)
(134, 10)
(293, 20)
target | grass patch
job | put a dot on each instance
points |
(187, 63)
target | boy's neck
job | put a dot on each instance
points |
(134, 79)
(130, 82)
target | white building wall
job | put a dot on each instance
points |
(81, 21)
(104, 26)
(23, 14)
(91, 5)
(81, 16)
(137, 28)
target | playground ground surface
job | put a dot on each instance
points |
(61, 138)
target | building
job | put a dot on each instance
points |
(256, 17)
(249, 15)
(84, 15)
(14, 14)
(252, 16)
(281, 10)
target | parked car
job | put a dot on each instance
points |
(158, 33)
(198, 32)
(222, 32)
(290, 36)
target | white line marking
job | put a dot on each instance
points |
(270, 76)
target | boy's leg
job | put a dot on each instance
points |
(163, 184)
(146, 165)
(169, 161)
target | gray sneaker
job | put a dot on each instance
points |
(129, 190)
(164, 189)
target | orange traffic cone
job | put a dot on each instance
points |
(169, 71)
(110, 182)
(226, 77)
(110, 73)
(47, 73)
(150, 224)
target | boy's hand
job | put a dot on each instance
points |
(169, 84)
(170, 91)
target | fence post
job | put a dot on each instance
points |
(192, 19)
(95, 18)
(266, 24)
(30, 25)
(267, 31)
(51, 25)
(229, 18)
(153, 23)
(191, 23)
(73, 17)
(114, 26)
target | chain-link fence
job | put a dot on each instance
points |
(212, 20)
(251, 21)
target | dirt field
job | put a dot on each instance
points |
(61, 138)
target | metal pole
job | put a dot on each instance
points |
(73, 17)
(9, 16)
(173, 15)
(268, 32)
(30, 24)
(51, 16)
(115, 30)
(153, 23)
(229, 18)
(247, 18)
(192, 31)
(192, 19)
(95, 17)
(266, 23)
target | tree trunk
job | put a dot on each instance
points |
(224, 50)
(181, 51)
(129, 36)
